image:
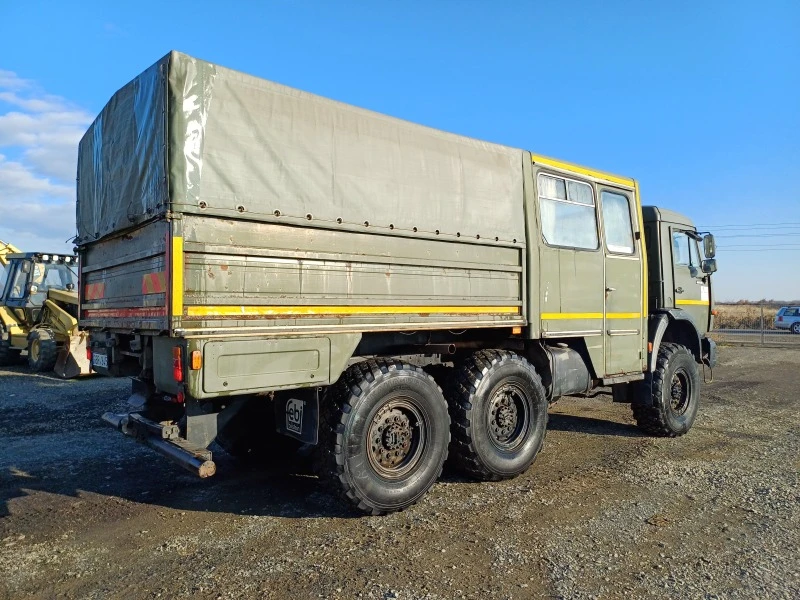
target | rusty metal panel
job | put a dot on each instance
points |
(124, 280)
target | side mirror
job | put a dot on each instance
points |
(709, 265)
(709, 246)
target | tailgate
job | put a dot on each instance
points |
(124, 280)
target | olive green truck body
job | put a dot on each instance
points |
(240, 237)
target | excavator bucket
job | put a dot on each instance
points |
(72, 361)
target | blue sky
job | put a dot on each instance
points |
(700, 101)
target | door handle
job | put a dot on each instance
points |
(610, 289)
(679, 290)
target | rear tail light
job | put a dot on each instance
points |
(177, 364)
(780, 318)
(88, 354)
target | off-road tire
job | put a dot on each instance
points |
(498, 414)
(250, 436)
(353, 452)
(796, 327)
(8, 356)
(42, 351)
(674, 389)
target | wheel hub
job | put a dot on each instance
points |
(679, 393)
(508, 417)
(394, 440)
(505, 417)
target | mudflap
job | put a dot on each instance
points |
(297, 414)
(71, 361)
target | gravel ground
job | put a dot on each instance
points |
(604, 512)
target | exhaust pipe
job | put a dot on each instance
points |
(194, 460)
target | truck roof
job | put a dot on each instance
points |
(655, 213)
(582, 170)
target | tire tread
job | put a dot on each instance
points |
(460, 392)
(652, 418)
(354, 383)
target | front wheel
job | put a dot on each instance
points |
(42, 351)
(674, 393)
(385, 435)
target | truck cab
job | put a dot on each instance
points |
(679, 286)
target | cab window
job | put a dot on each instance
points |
(19, 282)
(684, 250)
(567, 213)
(617, 223)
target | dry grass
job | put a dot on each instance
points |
(744, 316)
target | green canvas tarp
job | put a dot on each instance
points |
(189, 136)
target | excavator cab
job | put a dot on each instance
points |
(30, 277)
(39, 313)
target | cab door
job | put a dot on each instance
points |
(691, 285)
(570, 263)
(624, 321)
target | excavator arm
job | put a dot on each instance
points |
(5, 250)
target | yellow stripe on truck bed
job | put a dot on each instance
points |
(269, 311)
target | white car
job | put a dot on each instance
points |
(788, 317)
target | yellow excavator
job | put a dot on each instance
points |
(39, 312)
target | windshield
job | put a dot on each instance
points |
(37, 278)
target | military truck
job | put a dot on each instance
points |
(275, 269)
(39, 312)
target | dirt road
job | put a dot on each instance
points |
(604, 512)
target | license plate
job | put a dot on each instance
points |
(100, 360)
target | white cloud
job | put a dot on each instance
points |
(39, 135)
(10, 81)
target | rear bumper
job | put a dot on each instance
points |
(166, 440)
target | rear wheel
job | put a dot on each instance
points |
(498, 410)
(796, 327)
(385, 435)
(42, 350)
(674, 393)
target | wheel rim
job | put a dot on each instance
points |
(396, 438)
(796, 328)
(34, 351)
(680, 392)
(508, 417)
